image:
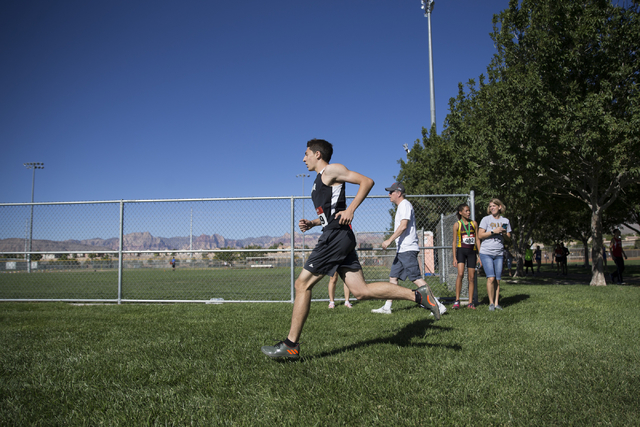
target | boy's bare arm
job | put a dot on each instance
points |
(336, 173)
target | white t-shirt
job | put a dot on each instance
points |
(493, 245)
(407, 241)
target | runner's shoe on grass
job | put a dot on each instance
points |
(282, 350)
(428, 301)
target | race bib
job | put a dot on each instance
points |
(468, 240)
(322, 216)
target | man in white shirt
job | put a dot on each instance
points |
(405, 265)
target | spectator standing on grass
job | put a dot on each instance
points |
(492, 230)
(173, 263)
(528, 261)
(508, 257)
(616, 254)
(405, 264)
(557, 253)
(333, 281)
(565, 258)
(538, 256)
(335, 250)
(465, 250)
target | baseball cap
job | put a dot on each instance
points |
(396, 186)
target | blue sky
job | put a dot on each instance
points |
(191, 99)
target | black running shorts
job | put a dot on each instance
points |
(335, 249)
(466, 256)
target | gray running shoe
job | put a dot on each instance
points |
(492, 307)
(282, 350)
(429, 301)
(498, 307)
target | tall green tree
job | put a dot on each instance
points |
(556, 116)
(568, 75)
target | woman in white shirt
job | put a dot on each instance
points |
(491, 231)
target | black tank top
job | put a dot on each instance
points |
(322, 195)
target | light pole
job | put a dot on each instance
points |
(303, 176)
(427, 5)
(33, 166)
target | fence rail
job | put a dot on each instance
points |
(226, 249)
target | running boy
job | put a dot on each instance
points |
(335, 250)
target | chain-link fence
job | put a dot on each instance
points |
(197, 250)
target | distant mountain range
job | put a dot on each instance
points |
(145, 241)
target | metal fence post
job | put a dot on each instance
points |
(443, 261)
(293, 255)
(472, 205)
(120, 255)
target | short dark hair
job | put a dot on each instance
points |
(324, 147)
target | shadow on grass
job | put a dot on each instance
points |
(402, 338)
(508, 301)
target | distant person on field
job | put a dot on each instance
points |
(557, 253)
(492, 230)
(528, 261)
(538, 256)
(565, 257)
(173, 263)
(509, 260)
(336, 247)
(465, 251)
(405, 264)
(616, 254)
(333, 281)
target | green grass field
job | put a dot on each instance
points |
(265, 284)
(559, 354)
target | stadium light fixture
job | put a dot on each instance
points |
(427, 6)
(303, 176)
(34, 166)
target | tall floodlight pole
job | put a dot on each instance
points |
(33, 166)
(427, 5)
(303, 176)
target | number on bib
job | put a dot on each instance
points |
(322, 216)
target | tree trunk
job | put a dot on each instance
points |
(585, 245)
(597, 270)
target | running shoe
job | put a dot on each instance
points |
(282, 350)
(456, 304)
(471, 306)
(442, 308)
(382, 310)
(348, 304)
(492, 307)
(332, 304)
(428, 301)
(498, 307)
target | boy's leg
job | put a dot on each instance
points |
(354, 279)
(380, 290)
(386, 308)
(304, 284)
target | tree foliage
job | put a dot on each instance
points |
(555, 118)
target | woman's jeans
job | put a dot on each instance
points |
(492, 265)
